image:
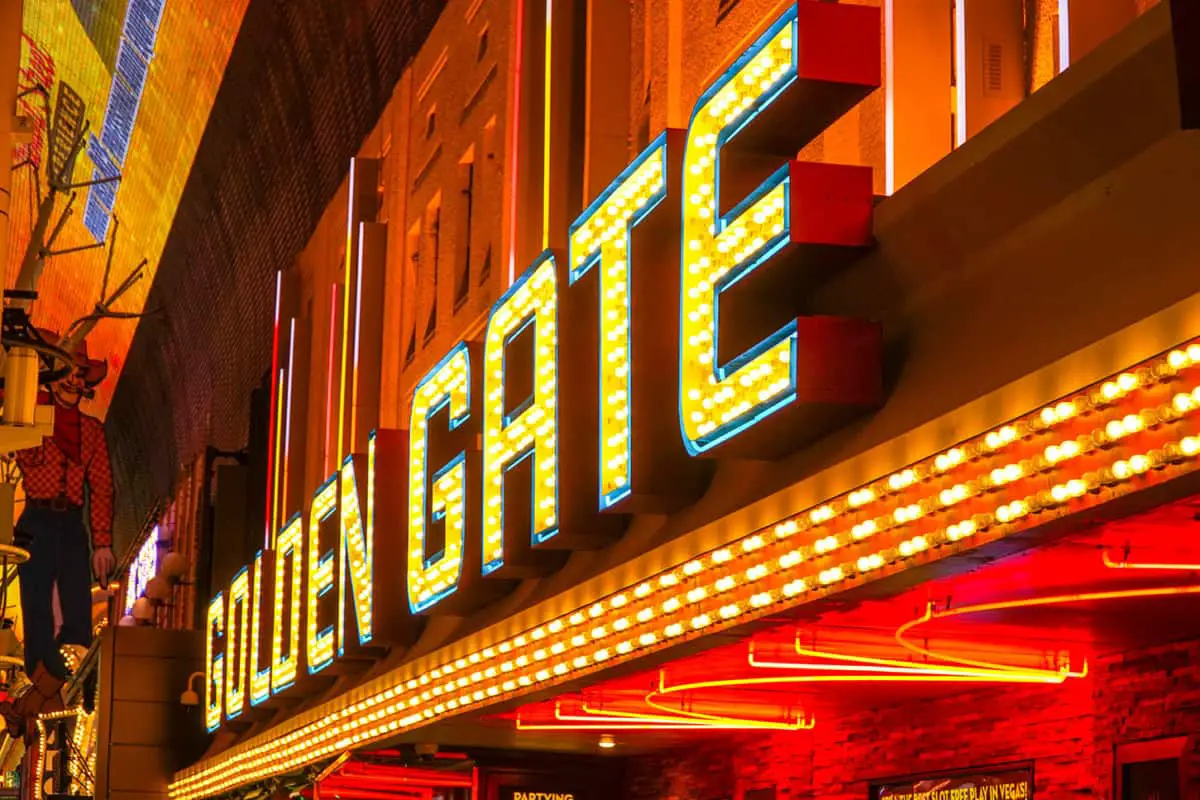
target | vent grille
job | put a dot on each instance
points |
(993, 69)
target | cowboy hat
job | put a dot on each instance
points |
(94, 370)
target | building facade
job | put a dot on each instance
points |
(913, 522)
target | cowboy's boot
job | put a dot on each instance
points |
(43, 698)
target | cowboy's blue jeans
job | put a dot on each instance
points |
(59, 553)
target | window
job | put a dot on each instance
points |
(462, 277)
(483, 45)
(724, 7)
(431, 122)
(433, 224)
(412, 286)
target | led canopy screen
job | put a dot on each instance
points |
(130, 62)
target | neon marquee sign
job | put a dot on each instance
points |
(586, 400)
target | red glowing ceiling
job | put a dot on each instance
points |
(1038, 617)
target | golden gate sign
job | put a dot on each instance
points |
(669, 367)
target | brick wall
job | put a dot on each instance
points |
(1070, 733)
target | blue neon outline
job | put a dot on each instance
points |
(281, 559)
(608, 499)
(536, 537)
(455, 421)
(328, 556)
(757, 413)
(217, 658)
(344, 546)
(230, 610)
(259, 673)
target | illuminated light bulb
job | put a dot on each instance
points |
(826, 544)
(753, 543)
(555, 627)
(701, 620)
(1178, 359)
(725, 584)
(618, 601)
(696, 595)
(1139, 464)
(761, 599)
(645, 615)
(668, 580)
(901, 480)
(721, 556)
(1127, 382)
(786, 529)
(821, 515)
(692, 567)
(831, 575)
(647, 639)
(671, 605)
(674, 629)
(789, 560)
(642, 590)
(860, 497)
(1193, 353)
(1190, 445)
(793, 588)
(864, 529)
(949, 459)
(596, 610)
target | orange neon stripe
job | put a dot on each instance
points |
(358, 288)
(286, 464)
(347, 281)
(277, 412)
(1126, 564)
(1032, 602)
(863, 668)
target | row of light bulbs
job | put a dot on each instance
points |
(690, 598)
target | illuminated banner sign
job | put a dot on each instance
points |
(674, 330)
(143, 568)
(1011, 784)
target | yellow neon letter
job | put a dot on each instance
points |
(237, 631)
(260, 679)
(717, 401)
(433, 576)
(289, 545)
(214, 678)
(602, 236)
(509, 438)
(320, 577)
(357, 575)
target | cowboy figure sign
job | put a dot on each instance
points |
(68, 473)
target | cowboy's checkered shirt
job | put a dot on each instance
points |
(48, 474)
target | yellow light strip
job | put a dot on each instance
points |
(284, 662)
(214, 664)
(319, 644)
(237, 631)
(356, 579)
(758, 574)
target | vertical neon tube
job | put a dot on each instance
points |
(271, 523)
(960, 72)
(889, 96)
(1064, 34)
(602, 238)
